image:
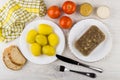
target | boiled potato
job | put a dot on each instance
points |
(41, 39)
(53, 39)
(35, 49)
(48, 50)
(45, 29)
(31, 36)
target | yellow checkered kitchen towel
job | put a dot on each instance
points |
(34, 6)
(1, 37)
(12, 20)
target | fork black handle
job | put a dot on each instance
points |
(92, 75)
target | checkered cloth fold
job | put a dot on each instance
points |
(1, 37)
(37, 7)
(12, 20)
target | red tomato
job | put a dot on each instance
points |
(65, 22)
(69, 7)
(54, 12)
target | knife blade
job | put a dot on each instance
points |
(71, 61)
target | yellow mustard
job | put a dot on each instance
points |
(86, 9)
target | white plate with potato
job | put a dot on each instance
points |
(41, 59)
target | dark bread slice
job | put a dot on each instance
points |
(16, 56)
(90, 40)
(8, 62)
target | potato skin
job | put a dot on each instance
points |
(41, 39)
(45, 29)
(48, 50)
(53, 39)
(30, 38)
(35, 49)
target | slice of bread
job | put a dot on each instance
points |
(16, 56)
(8, 62)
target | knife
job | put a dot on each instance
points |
(71, 61)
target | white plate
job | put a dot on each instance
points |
(25, 46)
(100, 51)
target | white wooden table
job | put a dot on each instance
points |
(110, 64)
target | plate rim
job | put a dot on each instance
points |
(26, 27)
(75, 54)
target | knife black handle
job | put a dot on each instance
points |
(68, 60)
